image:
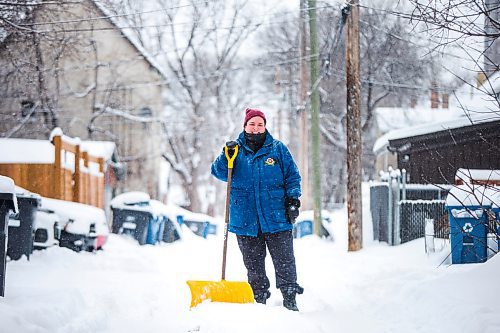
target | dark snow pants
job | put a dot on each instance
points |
(280, 247)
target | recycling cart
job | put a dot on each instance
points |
(169, 230)
(133, 221)
(22, 226)
(302, 228)
(495, 207)
(467, 207)
(8, 202)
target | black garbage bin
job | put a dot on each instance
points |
(131, 222)
(170, 232)
(8, 203)
(22, 226)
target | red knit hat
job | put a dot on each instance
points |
(250, 113)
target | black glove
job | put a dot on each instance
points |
(231, 145)
(292, 209)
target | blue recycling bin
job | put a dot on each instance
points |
(468, 233)
(155, 230)
(302, 228)
(496, 210)
(169, 232)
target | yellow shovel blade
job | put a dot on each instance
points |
(220, 291)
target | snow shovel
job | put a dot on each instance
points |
(222, 291)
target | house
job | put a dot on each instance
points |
(72, 66)
(433, 152)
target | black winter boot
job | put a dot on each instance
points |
(290, 303)
(261, 297)
(289, 294)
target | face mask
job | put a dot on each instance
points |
(255, 141)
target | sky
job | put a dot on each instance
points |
(131, 288)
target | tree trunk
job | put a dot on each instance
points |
(354, 144)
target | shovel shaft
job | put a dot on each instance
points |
(226, 222)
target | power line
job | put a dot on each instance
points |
(111, 16)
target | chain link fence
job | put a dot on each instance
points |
(401, 211)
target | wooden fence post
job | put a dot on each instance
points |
(85, 192)
(56, 188)
(76, 176)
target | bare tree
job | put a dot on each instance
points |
(29, 70)
(393, 70)
(452, 21)
(199, 44)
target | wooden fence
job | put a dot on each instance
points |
(70, 177)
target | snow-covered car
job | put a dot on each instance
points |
(83, 227)
(47, 229)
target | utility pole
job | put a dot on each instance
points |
(315, 147)
(354, 146)
(303, 116)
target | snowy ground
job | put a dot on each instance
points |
(132, 288)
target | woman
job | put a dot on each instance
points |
(264, 204)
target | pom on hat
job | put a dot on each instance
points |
(250, 113)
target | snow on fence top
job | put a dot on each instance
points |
(15, 151)
(26, 151)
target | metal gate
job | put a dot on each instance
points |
(399, 211)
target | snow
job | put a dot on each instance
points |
(26, 151)
(55, 132)
(477, 174)
(77, 218)
(130, 198)
(467, 105)
(104, 149)
(469, 195)
(132, 288)
(389, 118)
(423, 129)
(7, 187)
(42, 151)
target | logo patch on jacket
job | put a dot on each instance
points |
(270, 161)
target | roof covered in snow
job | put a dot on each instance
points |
(129, 37)
(389, 119)
(467, 106)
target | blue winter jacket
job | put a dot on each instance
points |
(260, 182)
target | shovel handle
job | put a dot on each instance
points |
(230, 159)
(230, 162)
